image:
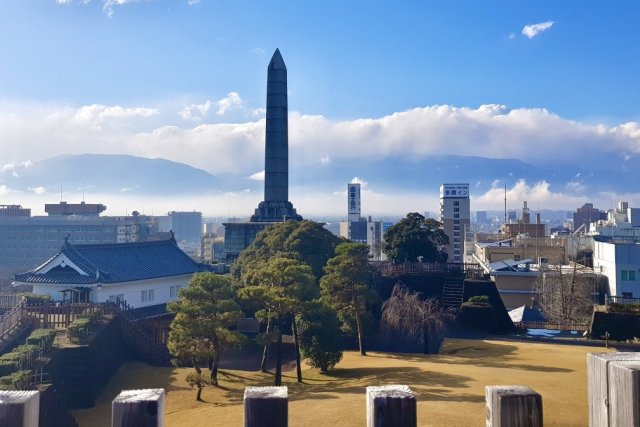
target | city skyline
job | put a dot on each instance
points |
(182, 80)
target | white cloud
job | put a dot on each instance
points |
(358, 180)
(38, 190)
(38, 131)
(533, 30)
(232, 100)
(258, 176)
(258, 51)
(196, 112)
(538, 196)
(108, 5)
(193, 2)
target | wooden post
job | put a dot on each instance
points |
(266, 407)
(624, 393)
(599, 384)
(513, 406)
(19, 408)
(391, 406)
(138, 408)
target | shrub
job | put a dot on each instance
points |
(35, 299)
(479, 299)
(320, 338)
(17, 381)
(7, 367)
(43, 338)
(78, 330)
(24, 356)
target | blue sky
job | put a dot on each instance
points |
(347, 59)
(185, 80)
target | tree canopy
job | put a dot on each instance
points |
(346, 284)
(205, 310)
(414, 237)
(305, 241)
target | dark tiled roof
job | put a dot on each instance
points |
(115, 263)
(147, 312)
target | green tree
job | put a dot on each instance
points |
(320, 336)
(280, 286)
(306, 241)
(205, 310)
(414, 237)
(346, 284)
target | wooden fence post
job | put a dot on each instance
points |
(266, 407)
(391, 406)
(19, 408)
(513, 406)
(624, 394)
(138, 408)
(598, 384)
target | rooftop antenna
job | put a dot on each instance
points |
(83, 187)
(505, 201)
(61, 192)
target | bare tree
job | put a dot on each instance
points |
(565, 293)
(408, 313)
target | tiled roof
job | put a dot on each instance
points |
(115, 263)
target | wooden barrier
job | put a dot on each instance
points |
(391, 406)
(138, 408)
(599, 386)
(19, 408)
(624, 395)
(513, 406)
(266, 407)
(10, 320)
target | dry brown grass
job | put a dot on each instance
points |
(449, 386)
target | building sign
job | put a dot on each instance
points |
(454, 190)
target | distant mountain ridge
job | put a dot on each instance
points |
(113, 174)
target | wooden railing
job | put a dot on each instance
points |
(9, 301)
(580, 327)
(11, 320)
(387, 268)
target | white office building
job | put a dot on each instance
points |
(455, 215)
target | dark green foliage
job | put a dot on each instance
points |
(8, 367)
(320, 337)
(205, 312)
(43, 338)
(624, 308)
(34, 299)
(479, 299)
(17, 381)
(305, 241)
(78, 330)
(414, 237)
(346, 284)
(24, 356)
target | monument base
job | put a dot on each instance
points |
(275, 211)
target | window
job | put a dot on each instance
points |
(456, 215)
(144, 296)
(456, 221)
(151, 292)
(116, 298)
(456, 203)
(628, 275)
(173, 291)
(456, 233)
(456, 209)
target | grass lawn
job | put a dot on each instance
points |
(449, 386)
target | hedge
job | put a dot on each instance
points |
(32, 298)
(17, 381)
(8, 367)
(43, 338)
(24, 355)
(78, 330)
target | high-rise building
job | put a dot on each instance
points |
(455, 215)
(353, 200)
(481, 217)
(586, 215)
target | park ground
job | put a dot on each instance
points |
(449, 386)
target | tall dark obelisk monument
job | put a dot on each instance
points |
(276, 206)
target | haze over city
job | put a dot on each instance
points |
(548, 87)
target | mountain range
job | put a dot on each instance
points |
(112, 174)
